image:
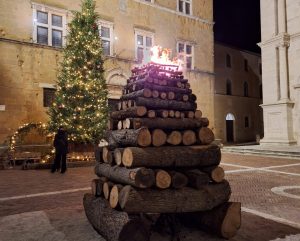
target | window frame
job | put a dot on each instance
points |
(44, 96)
(185, 55)
(110, 26)
(50, 12)
(144, 34)
(184, 7)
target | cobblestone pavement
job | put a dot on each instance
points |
(40, 206)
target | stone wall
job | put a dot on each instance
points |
(26, 67)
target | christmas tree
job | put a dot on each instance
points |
(80, 103)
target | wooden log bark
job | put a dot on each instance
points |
(162, 113)
(114, 225)
(145, 84)
(118, 155)
(174, 138)
(216, 173)
(124, 105)
(198, 114)
(172, 156)
(159, 137)
(98, 154)
(97, 187)
(151, 114)
(137, 137)
(206, 136)
(119, 105)
(179, 180)
(188, 138)
(147, 93)
(166, 123)
(107, 155)
(174, 200)
(204, 121)
(162, 179)
(171, 113)
(138, 111)
(153, 103)
(197, 178)
(138, 177)
(114, 195)
(107, 186)
(223, 220)
(112, 124)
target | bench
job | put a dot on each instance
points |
(23, 158)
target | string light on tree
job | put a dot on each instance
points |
(81, 97)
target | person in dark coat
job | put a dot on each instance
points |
(61, 149)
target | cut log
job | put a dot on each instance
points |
(224, 220)
(189, 138)
(174, 138)
(198, 114)
(107, 186)
(118, 156)
(174, 200)
(124, 105)
(139, 177)
(162, 179)
(182, 115)
(119, 105)
(143, 84)
(185, 97)
(97, 187)
(216, 173)
(130, 103)
(155, 94)
(107, 155)
(138, 137)
(171, 95)
(197, 178)
(126, 124)
(204, 121)
(166, 123)
(189, 114)
(159, 137)
(137, 111)
(151, 114)
(140, 93)
(114, 195)
(120, 125)
(171, 113)
(162, 113)
(192, 97)
(179, 180)
(172, 156)
(114, 225)
(163, 95)
(206, 136)
(112, 124)
(153, 103)
(177, 114)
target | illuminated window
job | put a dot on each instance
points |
(184, 6)
(106, 33)
(185, 52)
(49, 25)
(48, 96)
(143, 42)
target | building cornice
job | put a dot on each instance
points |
(154, 5)
(282, 39)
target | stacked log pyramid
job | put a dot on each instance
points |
(159, 160)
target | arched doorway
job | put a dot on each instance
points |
(230, 127)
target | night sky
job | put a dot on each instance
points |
(237, 23)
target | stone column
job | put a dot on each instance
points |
(282, 24)
(284, 74)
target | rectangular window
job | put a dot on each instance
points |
(49, 25)
(106, 34)
(185, 52)
(48, 96)
(143, 42)
(246, 65)
(184, 6)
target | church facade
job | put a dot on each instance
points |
(32, 36)
(280, 46)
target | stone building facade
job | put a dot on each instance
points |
(32, 33)
(238, 116)
(280, 46)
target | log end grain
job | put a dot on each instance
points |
(174, 138)
(144, 138)
(232, 221)
(159, 137)
(206, 136)
(189, 138)
(163, 179)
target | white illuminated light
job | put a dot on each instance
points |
(34, 20)
(116, 38)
